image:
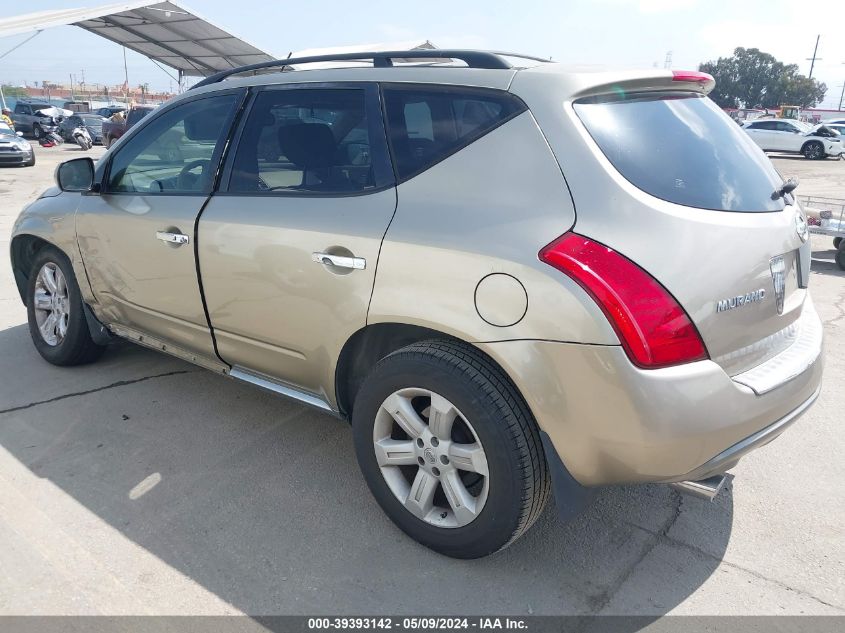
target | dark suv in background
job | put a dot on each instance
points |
(28, 121)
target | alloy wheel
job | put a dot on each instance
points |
(51, 303)
(431, 458)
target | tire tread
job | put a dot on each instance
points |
(469, 362)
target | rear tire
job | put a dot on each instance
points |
(481, 425)
(837, 241)
(840, 258)
(55, 312)
(813, 150)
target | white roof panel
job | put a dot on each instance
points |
(167, 32)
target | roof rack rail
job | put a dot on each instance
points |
(380, 59)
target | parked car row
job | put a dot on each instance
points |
(37, 118)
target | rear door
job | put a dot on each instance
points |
(137, 235)
(790, 137)
(288, 248)
(713, 228)
(762, 132)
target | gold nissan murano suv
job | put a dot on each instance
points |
(512, 277)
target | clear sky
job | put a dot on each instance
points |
(612, 32)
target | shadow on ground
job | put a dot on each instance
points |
(824, 263)
(259, 500)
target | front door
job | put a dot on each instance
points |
(288, 247)
(138, 236)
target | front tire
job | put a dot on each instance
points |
(57, 322)
(449, 449)
(836, 242)
(813, 150)
(840, 258)
(37, 132)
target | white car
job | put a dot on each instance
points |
(838, 127)
(787, 135)
(834, 122)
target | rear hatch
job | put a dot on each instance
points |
(684, 193)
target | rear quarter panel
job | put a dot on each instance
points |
(489, 208)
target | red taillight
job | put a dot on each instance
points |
(691, 75)
(654, 330)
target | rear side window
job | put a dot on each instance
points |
(428, 124)
(764, 125)
(684, 149)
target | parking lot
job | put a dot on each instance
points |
(143, 485)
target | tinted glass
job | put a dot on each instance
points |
(764, 125)
(177, 152)
(304, 140)
(426, 125)
(684, 149)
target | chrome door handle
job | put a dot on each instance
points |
(357, 263)
(172, 238)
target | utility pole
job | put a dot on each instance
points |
(667, 63)
(814, 59)
(71, 87)
(842, 95)
(126, 78)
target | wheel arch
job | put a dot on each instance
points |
(365, 348)
(23, 250)
(812, 141)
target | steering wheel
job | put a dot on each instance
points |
(186, 180)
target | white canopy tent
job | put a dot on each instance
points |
(166, 32)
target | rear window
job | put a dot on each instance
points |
(684, 149)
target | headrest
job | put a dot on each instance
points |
(308, 145)
(475, 115)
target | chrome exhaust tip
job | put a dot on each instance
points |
(703, 488)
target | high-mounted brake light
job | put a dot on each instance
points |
(654, 329)
(691, 75)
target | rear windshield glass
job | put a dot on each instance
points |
(684, 149)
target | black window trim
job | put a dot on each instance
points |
(372, 104)
(449, 89)
(216, 157)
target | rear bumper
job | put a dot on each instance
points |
(728, 458)
(612, 423)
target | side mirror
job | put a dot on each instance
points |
(76, 175)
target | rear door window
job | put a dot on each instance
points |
(427, 124)
(682, 148)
